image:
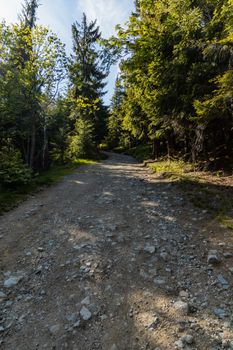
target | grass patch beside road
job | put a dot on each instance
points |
(10, 198)
(205, 190)
(171, 167)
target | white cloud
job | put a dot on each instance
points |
(9, 10)
(59, 15)
(108, 13)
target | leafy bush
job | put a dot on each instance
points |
(13, 171)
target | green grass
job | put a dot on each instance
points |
(172, 167)
(10, 198)
(201, 188)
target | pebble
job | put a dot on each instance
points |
(213, 257)
(12, 281)
(72, 318)
(86, 301)
(220, 313)
(227, 255)
(149, 249)
(164, 256)
(184, 295)
(114, 347)
(54, 329)
(223, 282)
(179, 344)
(85, 314)
(77, 324)
(188, 339)
(182, 307)
(159, 281)
(2, 296)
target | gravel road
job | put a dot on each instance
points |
(114, 258)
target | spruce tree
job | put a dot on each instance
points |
(87, 75)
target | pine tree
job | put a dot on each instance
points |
(114, 123)
(87, 75)
(28, 13)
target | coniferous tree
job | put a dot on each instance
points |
(87, 75)
(28, 13)
(177, 76)
(114, 123)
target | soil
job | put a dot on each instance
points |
(113, 258)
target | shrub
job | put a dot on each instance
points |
(81, 143)
(13, 171)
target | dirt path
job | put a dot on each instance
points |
(113, 259)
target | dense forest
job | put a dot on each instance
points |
(51, 105)
(174, 91)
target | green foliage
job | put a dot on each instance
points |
(174, 167)
(81, 143)
(13, 171)
(114, 122)
(87, 74)
(32, 63)
(177, 78)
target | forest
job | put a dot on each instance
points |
(175, 87)
(173, 95)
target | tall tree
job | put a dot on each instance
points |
(177, 75)
(114, 123)
(40, 58)
(28, 13)
(87, 75)
(33, 62)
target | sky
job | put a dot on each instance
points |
(58, 15)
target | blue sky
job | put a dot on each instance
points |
(60, 14)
